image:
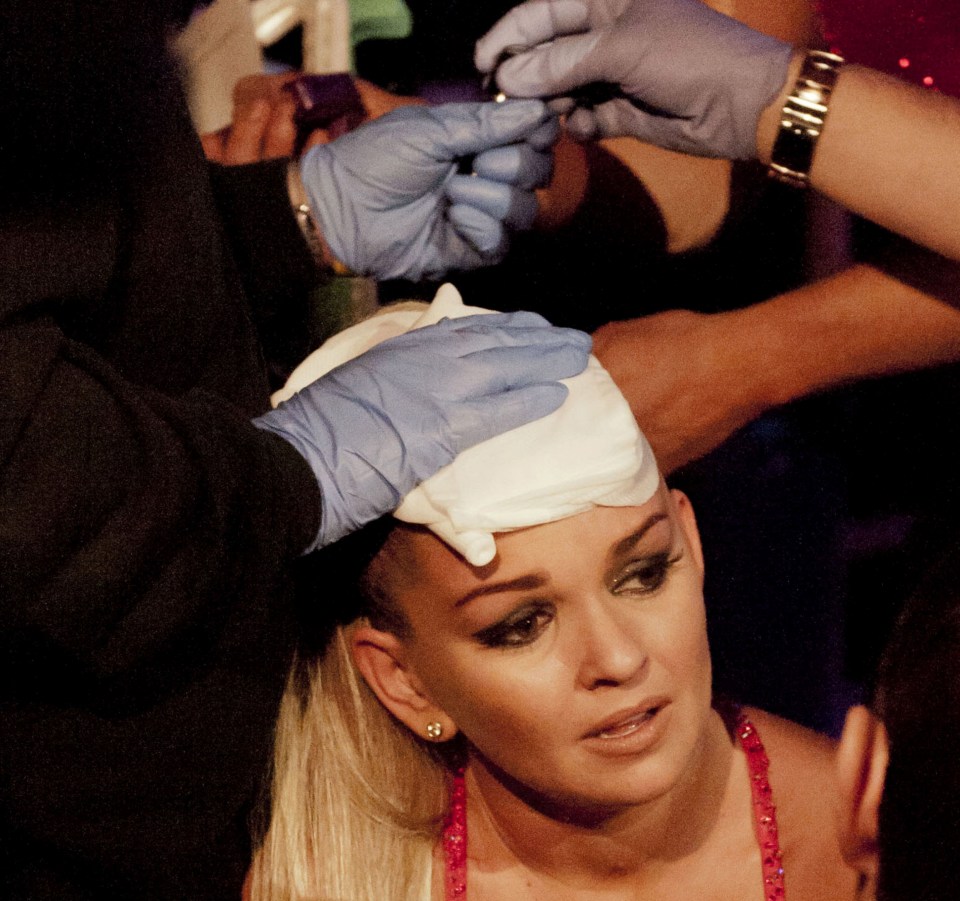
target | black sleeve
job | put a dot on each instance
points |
(126, 512)
(146, 526)
(279, 274)
(146, 622)
(146, 626)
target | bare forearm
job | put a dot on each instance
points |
(858, 324)
(693, 379)
(889, 151)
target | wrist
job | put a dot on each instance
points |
(759, 356)
(307, 223)
(802, 117)
(768, 125)
(827, 333)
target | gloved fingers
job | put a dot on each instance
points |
(482, 419)
(499, 369)
(521, 328)
(556, 68)
(517, 164)
(562, 106)
(582, 124)
(488, 353)
(546, 135)
(471, 128)
(530, 24)
(455, 337)
(620, 117)
(514, 207)
(485, 234)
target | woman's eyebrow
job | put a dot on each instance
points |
(625, 545)
(524, 583)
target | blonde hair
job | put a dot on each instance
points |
(358, 801)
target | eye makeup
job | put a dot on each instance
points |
(645, 575)
(640, 577)
(520, 628)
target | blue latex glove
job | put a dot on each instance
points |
(389, 201)
(376, 427)
(688, 78)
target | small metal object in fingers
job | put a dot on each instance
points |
(490, 86)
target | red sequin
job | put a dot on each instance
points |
(455, 841)
(763, 808)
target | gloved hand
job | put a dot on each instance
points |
(375, 427)
(689, 78)
(389, 201)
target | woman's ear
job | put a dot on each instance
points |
(861, 768)
(688, 522)
(382, 662)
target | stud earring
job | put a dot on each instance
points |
(434, 731)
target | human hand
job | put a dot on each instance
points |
(264, 126)
(687, 379)
(375, 427)
(689, 79)
(389, 201)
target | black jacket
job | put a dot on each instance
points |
(147, 529)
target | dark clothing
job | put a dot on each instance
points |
(146, 527)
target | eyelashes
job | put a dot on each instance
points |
(525, 625)
(647, 575)
(519, 629)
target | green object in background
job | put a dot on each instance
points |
(339, 303)
(379, 20)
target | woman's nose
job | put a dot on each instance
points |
(610, 646)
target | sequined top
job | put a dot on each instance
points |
(455, 827)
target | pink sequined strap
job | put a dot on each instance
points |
(766, 814)
(455, 841)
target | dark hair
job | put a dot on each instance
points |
(918, 699)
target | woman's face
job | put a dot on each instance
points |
(576, 663)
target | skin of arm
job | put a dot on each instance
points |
(876, 124)
(707, 375)
(710, 375)
(692, 194)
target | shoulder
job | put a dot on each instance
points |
(802, 780)
(801, 770)
(801, 777)
(792, 746)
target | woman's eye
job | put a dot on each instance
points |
(645, 576)
(520, 629)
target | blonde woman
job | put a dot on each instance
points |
(520, 704)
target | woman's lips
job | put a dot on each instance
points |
(631, 730)
(627, 726)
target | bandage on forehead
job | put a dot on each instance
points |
(587, 453)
